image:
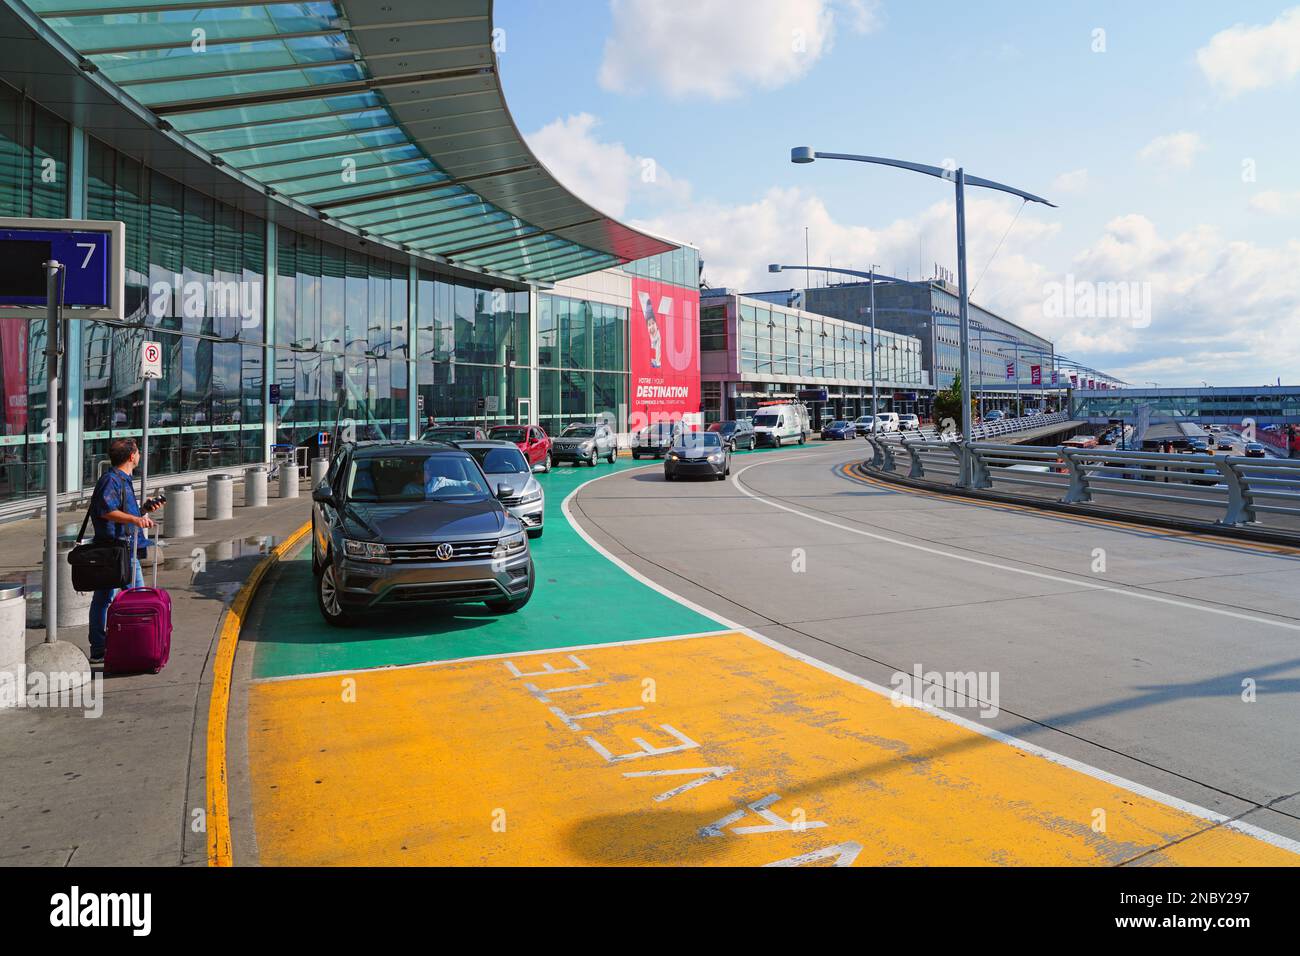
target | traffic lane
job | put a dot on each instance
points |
(716, 750)
(1093, 691)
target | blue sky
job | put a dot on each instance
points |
(1169, 141)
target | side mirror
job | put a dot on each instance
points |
(505, 491)
(323, 493)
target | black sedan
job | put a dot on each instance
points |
(735, 435)
(1255, 450)
(698, 454)
(839, 430)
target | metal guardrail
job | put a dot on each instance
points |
(1238, 488)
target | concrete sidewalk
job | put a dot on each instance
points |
(128, 788)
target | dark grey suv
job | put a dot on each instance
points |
(397, 523)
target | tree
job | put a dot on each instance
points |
(947, 407)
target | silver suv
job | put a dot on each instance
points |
(585, 443)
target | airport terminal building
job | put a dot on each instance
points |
(330, 213)
(756, 350)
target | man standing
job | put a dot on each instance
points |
(116, 515)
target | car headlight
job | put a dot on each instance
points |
(715, 458)
(529, 499)
(507, 547)
(673, 456)
(366, 551)
(586, 446)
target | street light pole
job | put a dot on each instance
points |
(874, 409)
(806, 154)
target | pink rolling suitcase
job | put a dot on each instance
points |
(139, 631)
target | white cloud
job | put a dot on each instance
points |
(1071, 182)
(1174, 150)
(1273, 203)
(721, 48)
(1244, 58)
(602, 173)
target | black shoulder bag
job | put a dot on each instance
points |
(97, 567)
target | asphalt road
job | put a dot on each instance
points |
(1170, 660)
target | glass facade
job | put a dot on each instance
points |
(1228, 405)
(34, 147)
(680, 267)
(776, 341)
(472, 342)
(341, 340)
(582, 360)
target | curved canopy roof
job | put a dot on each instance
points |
(385, 116)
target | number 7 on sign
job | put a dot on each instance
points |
(90, 251)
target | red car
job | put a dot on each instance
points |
(531, 439)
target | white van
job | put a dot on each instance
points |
(885, 422)
(778, 425)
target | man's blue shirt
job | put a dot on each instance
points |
(113, 492)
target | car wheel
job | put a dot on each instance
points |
(613, 453)
(510, 605)
(668, 476)
(327, 597)
(722, 477)
(591, 462)
(546, 465)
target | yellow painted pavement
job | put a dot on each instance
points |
(518, 761)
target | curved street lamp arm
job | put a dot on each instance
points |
(938, 172)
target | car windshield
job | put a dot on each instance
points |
(723, 427)
(767, 421)
(838, 424)
(579, 431)
(699, 440)
(449, 434)
(509, 434)
(500, 461)
(393, 478)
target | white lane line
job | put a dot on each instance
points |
(982, 562)
(1213, 816)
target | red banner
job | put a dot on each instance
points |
(13, 364)
(664, 348)
(1035, 375)
(1011, 371)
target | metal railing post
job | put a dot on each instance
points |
(979, 469)
(1239, 506)
(917, 470)
(1079, 491)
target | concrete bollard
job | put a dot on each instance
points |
(288, 480)
(319, 468)
(178, 513)
(13, 642)
(255, 486)
(221, 494)
(74, 605)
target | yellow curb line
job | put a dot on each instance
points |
(218, 822)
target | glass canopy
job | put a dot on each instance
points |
(385, 117)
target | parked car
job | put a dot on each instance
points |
(885, 422)
(839, 430)
(585, 443)
(994, 415)
(737, 434)
(655, 439)
(698, 454)
(505, 465)
(531, 440)
(779, 424)
(398, 523)
(1255, 450)
(909, 423)
(453, 433)
(862, 424)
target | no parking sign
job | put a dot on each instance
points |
(151, 360)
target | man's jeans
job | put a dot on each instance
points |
(99, 610)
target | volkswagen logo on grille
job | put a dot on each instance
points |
(445, 552)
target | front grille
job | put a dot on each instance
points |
(426, 552)
(451, 591)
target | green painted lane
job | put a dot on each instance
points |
(580, 598)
